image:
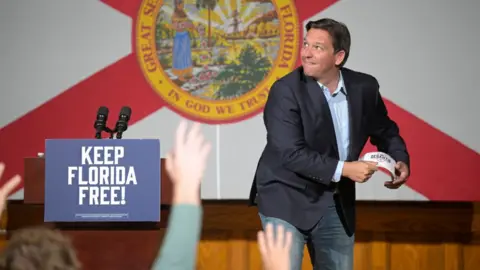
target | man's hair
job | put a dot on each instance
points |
(338, 32)
(39, 249)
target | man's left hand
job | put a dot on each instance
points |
(402, 172)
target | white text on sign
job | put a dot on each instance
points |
(104, 182)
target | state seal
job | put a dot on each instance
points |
(215, 60)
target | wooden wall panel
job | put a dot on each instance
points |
(390, 236)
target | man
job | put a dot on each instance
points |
(318, 119)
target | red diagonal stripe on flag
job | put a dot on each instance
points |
(442, 168)
(72, 113)
(127, 7)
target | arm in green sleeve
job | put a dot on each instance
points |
(179, 248)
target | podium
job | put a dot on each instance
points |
(99, 245)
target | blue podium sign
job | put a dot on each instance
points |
(102, 180)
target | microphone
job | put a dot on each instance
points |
(101, 122)
(122, 123)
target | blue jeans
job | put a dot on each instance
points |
(328, 244)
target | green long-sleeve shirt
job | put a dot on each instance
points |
(179, 248)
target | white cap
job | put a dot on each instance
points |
(383, 161)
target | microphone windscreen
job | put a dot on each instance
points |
(103, 110)
(126, 111)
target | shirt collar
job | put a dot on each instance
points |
(340, 86)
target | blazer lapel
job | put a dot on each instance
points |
(325, 118)
(354, 99)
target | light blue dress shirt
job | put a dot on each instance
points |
(338, 104)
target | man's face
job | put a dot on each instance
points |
(318, 55)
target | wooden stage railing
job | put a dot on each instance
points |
(390, 236)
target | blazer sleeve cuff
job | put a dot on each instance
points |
(401, 156)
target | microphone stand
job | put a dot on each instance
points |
(118, 131)
(119, 135)
(110, 131)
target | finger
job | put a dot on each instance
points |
(180, 135)
(288, 240)
(205, 151)
(372, 167)
(270, 237)
(400, 179)
(365, 176)
(2, 168)
(398, 165)
(8, 187)
(262, 245)
(392, 185)
(358, 179)
(197, 138)
(371, 163)
(198, 142)
(401, 173)
(280, 241)
(194, 136)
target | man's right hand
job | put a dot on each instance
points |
(359, 171)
